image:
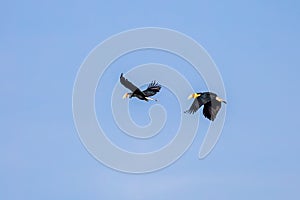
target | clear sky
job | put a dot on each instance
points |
(255, 45)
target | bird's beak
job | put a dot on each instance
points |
(221, 100)
(194, 95)
(125, 96)
(191, 96)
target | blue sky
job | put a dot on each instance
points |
(255, 45)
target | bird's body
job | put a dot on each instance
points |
(145, 95)
(210, 101)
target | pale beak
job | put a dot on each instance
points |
(125, 95)
(195, 95)
(191, 96)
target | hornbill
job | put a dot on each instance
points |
(211, 102)
(145, 95)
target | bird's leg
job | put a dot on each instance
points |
(148, 98)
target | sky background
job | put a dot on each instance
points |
(255, 45)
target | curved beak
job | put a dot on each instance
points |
(191, 96)
(125, 96)
(194, 95)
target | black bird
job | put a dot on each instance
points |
(145, 95)
(211, 102)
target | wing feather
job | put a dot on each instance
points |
(128, 84)
(136, 92)
(194, 107)
(152, 89)
(211, 109)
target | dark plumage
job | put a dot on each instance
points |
(145, 95)
(211, 102)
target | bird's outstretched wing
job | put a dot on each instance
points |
(198, 102)
(152, 89)
(211, 109)
(194, 107)
(128, 84)
(135, 90)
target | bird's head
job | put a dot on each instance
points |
(194, 95)
(221, 100)
(126, 95)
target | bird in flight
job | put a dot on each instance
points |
(212, 104)
(145, 95)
